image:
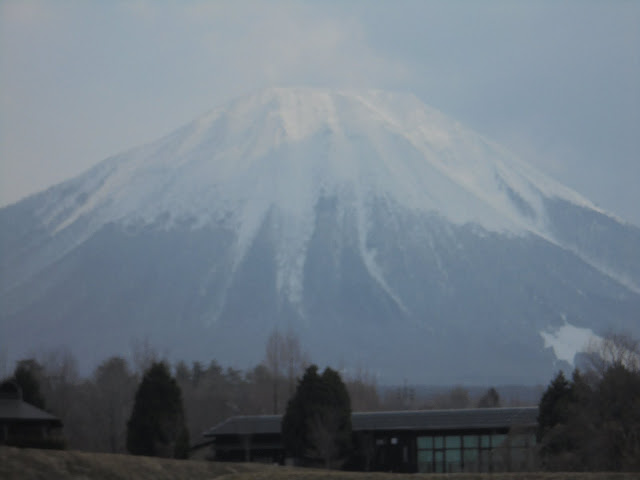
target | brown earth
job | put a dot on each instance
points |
(32, 464)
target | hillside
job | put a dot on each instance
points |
(30, 464)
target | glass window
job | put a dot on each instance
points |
(439, 462)
(470, 460)
(470, 441)
(485, 441)
(425, 456)
(454, 456)
(425, 442)
(452, 442)
(497, 440)
(470, 456)
(438, 442)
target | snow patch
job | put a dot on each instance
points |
(567, 341)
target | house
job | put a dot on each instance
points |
(23, 425)
(471, 440)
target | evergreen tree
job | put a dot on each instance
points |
(554, 405)
(317, 422)
(27, 375)
(491, 399)
(591, 427)
(157, 424)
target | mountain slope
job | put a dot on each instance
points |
(384, 232)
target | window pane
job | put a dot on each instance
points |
(438, 442)
(497, 440)
(470, 460)
(425, 442)
(452, 441)
(470, 456)
(425, 456)
(439, 462)
(485, 441)
(454, 456)
(470, 441)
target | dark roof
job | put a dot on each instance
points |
(479, 418)
(247, 424)
(15, 410)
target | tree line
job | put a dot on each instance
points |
(590, 422)
(95, 409)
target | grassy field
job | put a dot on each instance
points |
(31, 464)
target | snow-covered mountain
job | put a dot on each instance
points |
(385, 233)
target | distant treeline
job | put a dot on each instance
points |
(95, 409)
(591, 422)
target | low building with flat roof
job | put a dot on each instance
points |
(470, 440)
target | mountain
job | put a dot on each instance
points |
(386, 234)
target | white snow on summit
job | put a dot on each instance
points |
(279, 150)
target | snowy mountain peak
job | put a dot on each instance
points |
(284, 147)
(281, 150)
(366, 213)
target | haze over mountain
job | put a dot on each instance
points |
(386, 234)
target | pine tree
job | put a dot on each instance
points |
(27, 375)
(157, 424)
(317, 422)
(554, 405)
(491, 399)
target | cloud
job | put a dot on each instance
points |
(554, 81)
(91, 79)
(286, 43)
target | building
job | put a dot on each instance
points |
(23, 425)
(472, 440)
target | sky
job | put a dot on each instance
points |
(557, 82)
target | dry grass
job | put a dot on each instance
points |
(31, 464)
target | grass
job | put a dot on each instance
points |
(33, 464)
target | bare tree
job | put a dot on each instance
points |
(296, 360)
(60, 377)
(456, 398)
(363, 390)
(114, 392)
(274, 359)
(285, 360)
(144, 355)
(4, 363)
(614, 349)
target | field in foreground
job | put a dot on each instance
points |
(31, 464)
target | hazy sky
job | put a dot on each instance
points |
(558, 82)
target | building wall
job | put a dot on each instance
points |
(475, 452)
(405, 451)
